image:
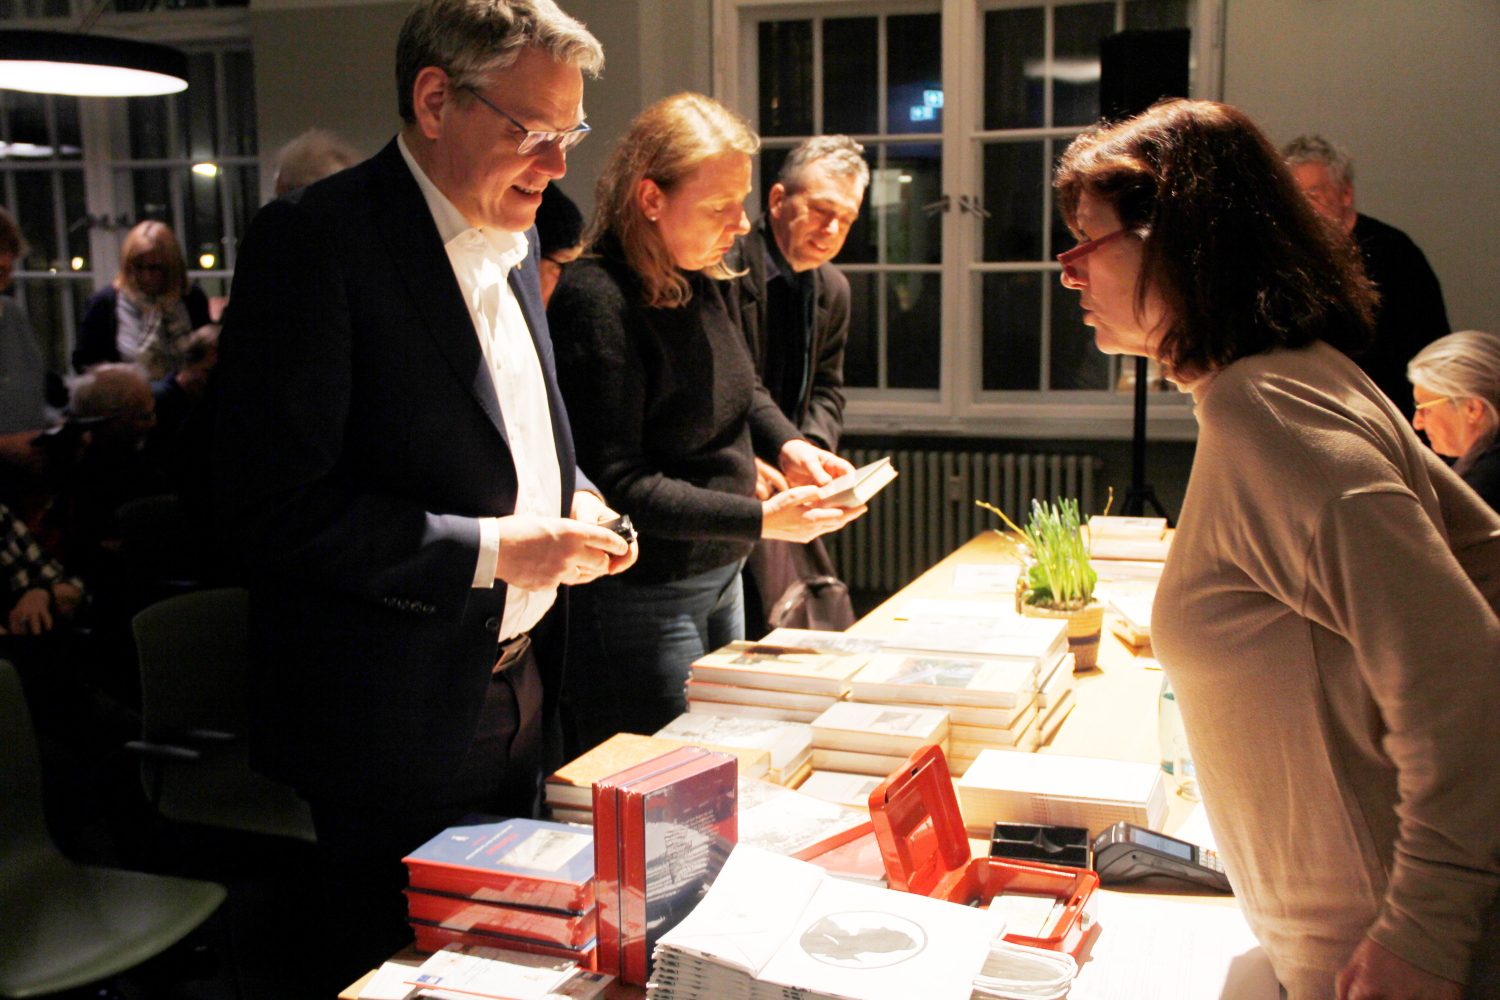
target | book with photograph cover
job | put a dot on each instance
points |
(779, 668)
(944, 680)
(879, 729)
(790, 823)
(734, 695)
(825, 642)
(788, 743)
(852, 790)
(1039, 642)
(518, 861)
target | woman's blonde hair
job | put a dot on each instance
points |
(666, 143)
(141, 240)
(1463, 365)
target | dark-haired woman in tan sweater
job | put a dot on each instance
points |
(1327, 615)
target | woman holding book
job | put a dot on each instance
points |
(1327, 613)
(669, 416)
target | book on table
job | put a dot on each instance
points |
(476, 971)
(788, 925)
(1149, 528)
(854, 762)
(968, 715)
(779, 668)
(991, 736)
(852, 790)
(855, 489)
(1058, 790)
(945, 680)
(879, 729)
(1039, 642)
(788, 743)
(663, 830)
(531, 924)
(737, 710)
(764, 697)
(523, 862)
(432, 938)
(824, 642)
(787, 822)
(1059, 682)
(571, 786)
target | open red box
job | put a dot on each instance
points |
(926, 850)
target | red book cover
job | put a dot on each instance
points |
(456, 913)
(677, 829)
(430, 939)
(522, 862)
(607, 850)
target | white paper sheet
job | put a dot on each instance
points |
(978, 578)
(1156, 949)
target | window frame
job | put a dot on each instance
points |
(960, 405)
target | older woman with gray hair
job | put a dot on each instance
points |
(1456, 387)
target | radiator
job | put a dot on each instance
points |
(929, 510)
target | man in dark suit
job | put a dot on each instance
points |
(393, 461)
(1411, 313)
(793, 306)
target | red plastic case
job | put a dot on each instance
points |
(926, 850)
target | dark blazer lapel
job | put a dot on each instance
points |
(525, 283)
(403, 218)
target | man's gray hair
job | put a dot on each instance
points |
(106, 390)
(470, 39)
(312, 156)
(1316, 149)
(838, 154)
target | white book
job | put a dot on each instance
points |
(879, 729)
(1037, 641)
(788, 742)
(779, 668)
(825, 642)
(773, 920)
(1153, 550)
(1101, 526)
(1127, 570)
(854, 489)
(1057, 683)
(706, 691)
(852, 762)
(1052, 720)
(944, 680)
(696, 707)
(852, 790)
(491, 972)
(1066, 791)
(793, 824)
(991, 718)
(989, 735)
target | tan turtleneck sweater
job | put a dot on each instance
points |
(1328, 620)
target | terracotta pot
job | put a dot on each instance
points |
(1085, 628)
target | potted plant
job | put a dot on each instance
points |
(1057, 580)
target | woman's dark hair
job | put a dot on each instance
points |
(1239, 257)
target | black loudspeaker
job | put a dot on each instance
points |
(1139, 68)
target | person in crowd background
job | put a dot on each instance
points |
(1456, 391)
(312, 156)
(1411, 313)
(146, 316)
(1327, 615)
(793, 306)
(670, 415)
(559, 228)
(23, 372)
(393, 462)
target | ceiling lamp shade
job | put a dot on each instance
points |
(61, 62)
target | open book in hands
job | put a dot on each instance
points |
(854, 489)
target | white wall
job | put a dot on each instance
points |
(1412, 89)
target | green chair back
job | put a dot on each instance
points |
(23, 827)
(194, 658)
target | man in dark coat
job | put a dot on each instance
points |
(393, 461)
(1411, 313)
(793, 306)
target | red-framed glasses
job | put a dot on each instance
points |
(1082, 250)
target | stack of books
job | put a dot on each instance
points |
(520, 884)
(1052, 789)
(854, 737)
(1133, 611)
(1133, 538)
(772, 927)
(663, 830)
(766, 680)
(788, 743)
(570, 790)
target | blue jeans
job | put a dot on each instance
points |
(630, 646)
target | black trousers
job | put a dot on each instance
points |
(361, 844)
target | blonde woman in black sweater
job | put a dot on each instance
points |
(669, 417)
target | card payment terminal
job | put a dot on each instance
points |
(1126, 852)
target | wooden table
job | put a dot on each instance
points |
(1114, 713)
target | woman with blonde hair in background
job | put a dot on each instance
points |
(669, 417)
(145, 317)
(1455, 382)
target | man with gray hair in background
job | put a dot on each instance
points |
(393, 462)
(793, 306)
(1411, 313)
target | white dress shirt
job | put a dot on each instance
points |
(482, 259)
